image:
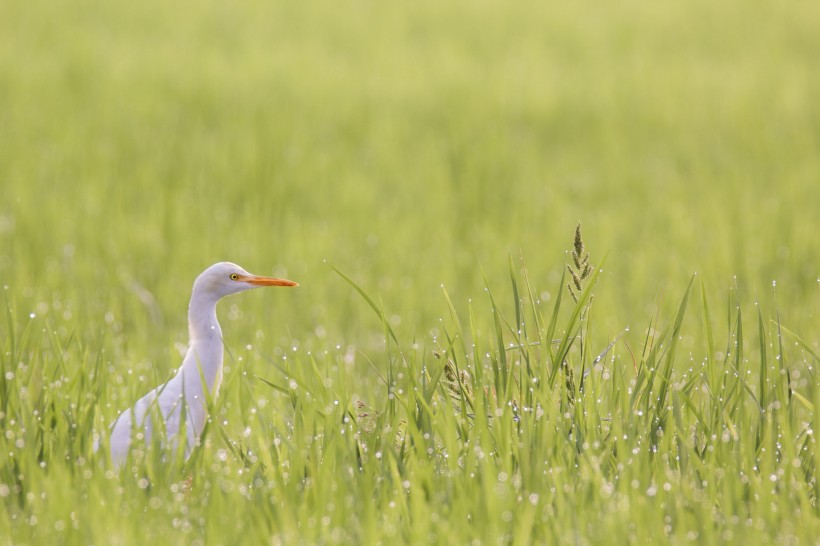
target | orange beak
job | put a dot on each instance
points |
(267, 281)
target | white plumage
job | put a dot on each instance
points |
(201, 367)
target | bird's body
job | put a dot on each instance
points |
(184, 397)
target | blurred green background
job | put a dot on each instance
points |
(409, 144)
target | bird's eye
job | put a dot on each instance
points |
(234, 276)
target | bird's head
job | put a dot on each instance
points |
(225, 278)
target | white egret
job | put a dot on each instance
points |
(183, 397)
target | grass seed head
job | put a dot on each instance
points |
(582, 268)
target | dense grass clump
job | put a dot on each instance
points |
(518, 433)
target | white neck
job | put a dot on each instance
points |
(205, 335)
(202, 323)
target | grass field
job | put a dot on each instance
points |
(420, 170)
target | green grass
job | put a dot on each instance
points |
(420, 151)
